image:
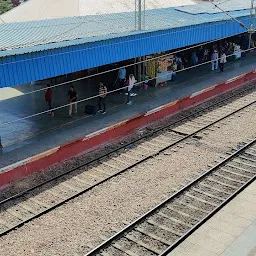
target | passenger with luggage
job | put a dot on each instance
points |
(72, 98)
(102, 97)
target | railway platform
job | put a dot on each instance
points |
(230, 232)
(45, 135)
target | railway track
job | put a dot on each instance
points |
(42, 198)
(164, 227)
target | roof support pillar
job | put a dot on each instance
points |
(140, 14)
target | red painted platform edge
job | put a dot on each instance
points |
(41, 161)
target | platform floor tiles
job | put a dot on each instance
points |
(230, 232)
(35, 135)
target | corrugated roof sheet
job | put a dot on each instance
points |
(226, 5)
(19, 38)
(49, 9)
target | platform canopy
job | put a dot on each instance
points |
(51, 9)
(36, 50)
(225, 5)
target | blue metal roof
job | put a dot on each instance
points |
(23, 37)
(43, 49)
(228, 5)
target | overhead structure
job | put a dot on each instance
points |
(225, 5)
(37, 50)
(51, 9)
(140, 8)
(252, 26)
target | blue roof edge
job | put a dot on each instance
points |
(83, 41)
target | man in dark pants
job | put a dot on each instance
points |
(48, 99)
(72, 98)
(122, 77)
(102, 98)
(223, 60)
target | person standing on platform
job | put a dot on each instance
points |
(174, 68)
(131, 83)
(200, 54)
(122, 77)
(102, 98)
(72, 98)
(194, 59)
(48, 99)
(184, 60)
(223, 60)
(206, 54)
(214, 60)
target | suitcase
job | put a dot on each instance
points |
(152, 82)
(90, 110)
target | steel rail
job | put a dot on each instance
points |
(119, 172)
(126, 145)
(199, 224)
(139, 220)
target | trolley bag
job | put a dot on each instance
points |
(90, 110)
(152, 82)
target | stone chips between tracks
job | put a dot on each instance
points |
(68, 229)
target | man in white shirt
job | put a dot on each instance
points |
(214, 60)
(223, 60)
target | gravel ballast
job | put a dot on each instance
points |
(70, 228)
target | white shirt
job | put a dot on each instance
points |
(132, 81)
(223, 58)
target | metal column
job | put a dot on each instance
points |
(140, 6)
(252, 23)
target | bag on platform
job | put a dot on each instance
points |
(152, 82)
(90, 110)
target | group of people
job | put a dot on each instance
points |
(126, 84)
(72, 98)
(123, 83)
(217, 57)
(103, 91)
(218, 60)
